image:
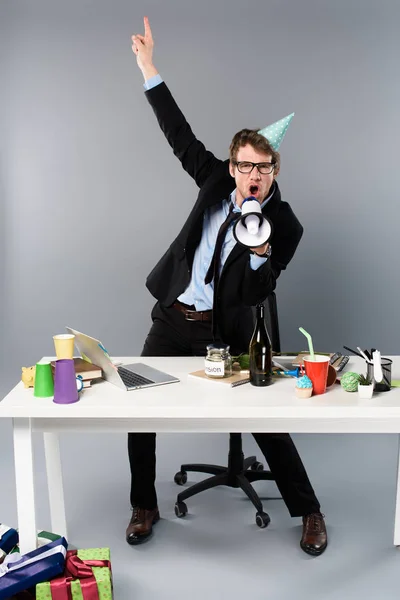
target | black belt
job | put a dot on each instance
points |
(193, 315)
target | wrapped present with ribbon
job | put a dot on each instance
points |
(87, 576)
(43, 538)
(8, 539)
(20, 572)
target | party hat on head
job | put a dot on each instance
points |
(276, 132)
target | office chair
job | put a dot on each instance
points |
(241, 471)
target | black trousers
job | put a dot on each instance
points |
(172, 335)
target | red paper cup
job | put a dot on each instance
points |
(317, 371)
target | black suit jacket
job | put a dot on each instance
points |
(239, 287)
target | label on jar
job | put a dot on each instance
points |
(214, 368)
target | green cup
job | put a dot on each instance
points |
(44, 384)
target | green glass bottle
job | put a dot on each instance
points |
(260, 353)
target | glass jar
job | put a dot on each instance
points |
(218, 362)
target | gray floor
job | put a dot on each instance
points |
(217, 550)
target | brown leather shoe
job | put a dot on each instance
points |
(140, 526)
(314, 539)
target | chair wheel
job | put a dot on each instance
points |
(180, 477)
(257, 466)
(262, 519)
(180, 509)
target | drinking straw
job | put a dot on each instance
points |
(310, 344)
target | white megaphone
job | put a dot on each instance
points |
(252, 229)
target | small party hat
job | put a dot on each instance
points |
(276, 132)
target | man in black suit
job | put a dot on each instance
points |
(192, 312)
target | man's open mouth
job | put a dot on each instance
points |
(254, 190)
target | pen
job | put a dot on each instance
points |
(363, 355)
(353, 351)
(241, 382)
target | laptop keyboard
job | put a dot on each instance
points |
(132, 379)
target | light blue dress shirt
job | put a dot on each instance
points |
(198, 293)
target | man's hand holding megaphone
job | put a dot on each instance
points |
(263, 250)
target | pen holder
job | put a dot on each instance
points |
(386, 383)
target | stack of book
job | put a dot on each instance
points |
(88, 371)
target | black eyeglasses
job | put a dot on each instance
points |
(246, 167)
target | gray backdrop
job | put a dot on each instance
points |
(84, 168)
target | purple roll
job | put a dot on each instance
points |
(65, 390)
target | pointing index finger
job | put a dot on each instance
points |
(147, 29)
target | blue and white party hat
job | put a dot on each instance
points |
(276, 132)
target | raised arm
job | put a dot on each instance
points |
(195, 159)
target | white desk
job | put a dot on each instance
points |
(189, 406)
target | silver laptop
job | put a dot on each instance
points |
(127, 377)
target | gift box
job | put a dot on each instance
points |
(8, 539)
(20, 572)
(87, 576)
(43, 538)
